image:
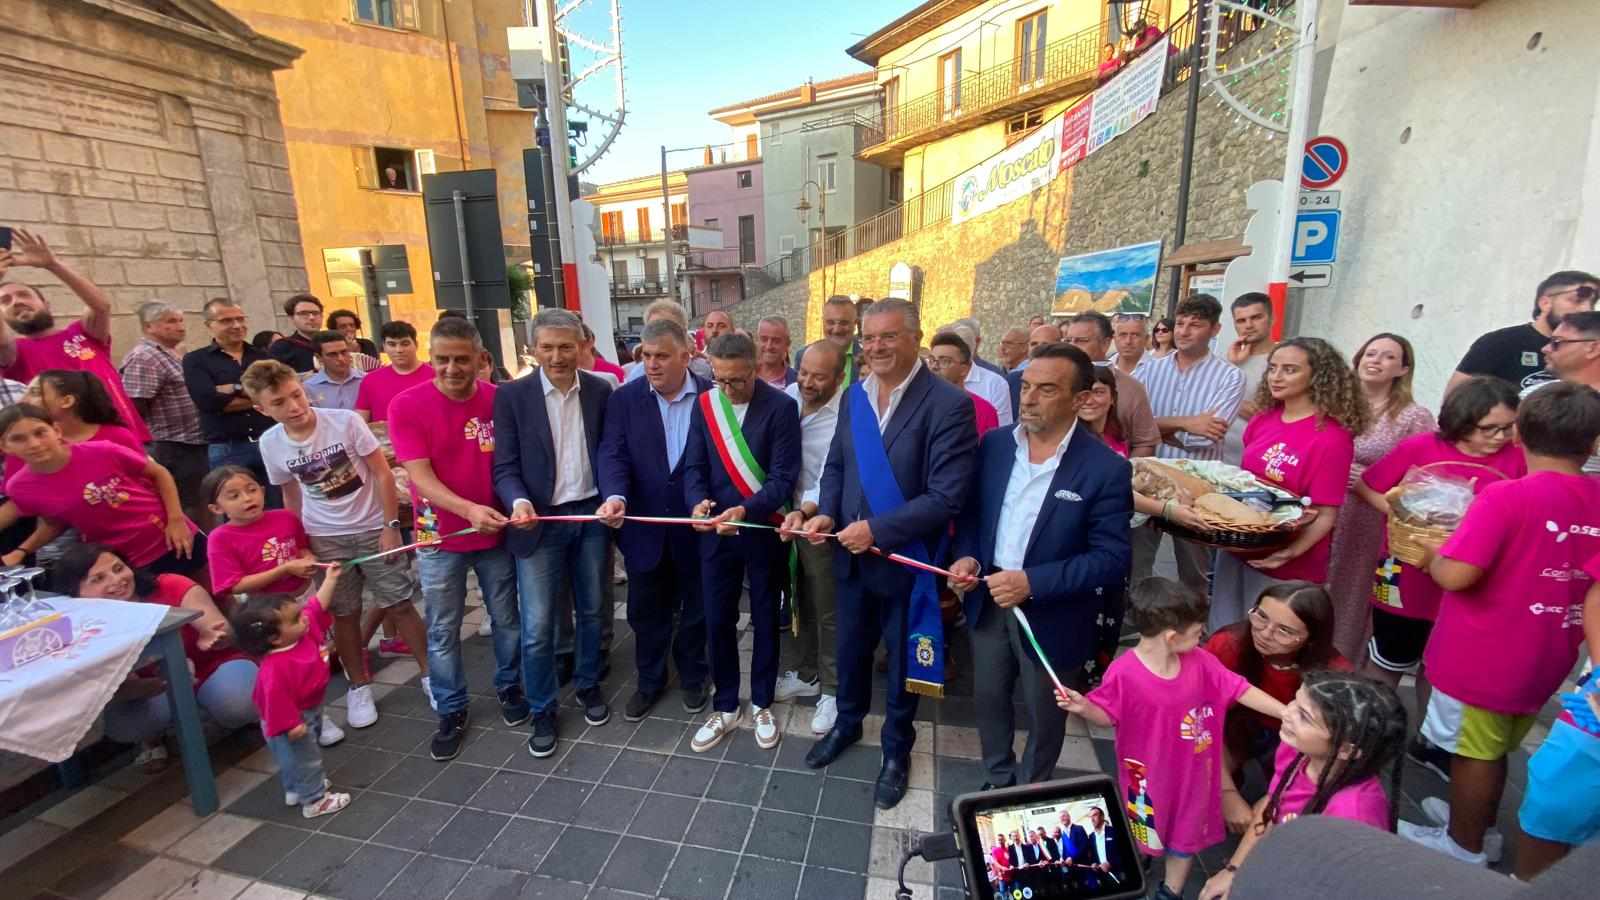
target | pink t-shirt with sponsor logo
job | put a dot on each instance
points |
(1306, 458)
(458, 439)
(114, 434)
(379, 388)
(1413, 594)
(73, 348)
(1506, 643)
(1169, 747)
(1364, 801)
(292, 679)
(102, 491)
(238, 551)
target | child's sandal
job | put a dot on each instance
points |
(331, 802)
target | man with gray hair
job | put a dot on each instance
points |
(772, 352)
(978, 362)
(983, 379)
(152, 373)
(547, 429)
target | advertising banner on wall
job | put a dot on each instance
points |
(1129, 98)
(1023, 167)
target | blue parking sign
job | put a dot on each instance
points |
(1316, 237)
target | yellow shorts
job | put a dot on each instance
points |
(1471, 731)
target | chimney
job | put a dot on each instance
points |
(708, 155)
(808, 92)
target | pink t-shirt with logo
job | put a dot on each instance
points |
(101, 491)
(238, 551)
(293, 679)
(1506, 643)
(1304, 458)
(1412, 593)
(114, 434)
(458, 438)
(73, 348)
(1169, 747)
(1364, 801)
(379, 388)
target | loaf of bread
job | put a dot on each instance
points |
(1188, 487)
(1226, 509)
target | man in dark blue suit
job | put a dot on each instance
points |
(1099, 849)
(641, 473)
(1046, 531)
(898, 471)
(547, 427)
(741, 464)
(839, 326)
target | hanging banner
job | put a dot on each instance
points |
(1075, 133)
(1129, 98)
(1023, 167)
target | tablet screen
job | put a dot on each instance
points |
(1071, 845)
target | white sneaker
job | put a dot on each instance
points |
(427, 691)
(360, 709)
(330, 803)
(1437, 839)
(330, 734)
(1494, 843)
(485, 628)
(791, 685)
(718, 726)
(766, 728)
(827, 713)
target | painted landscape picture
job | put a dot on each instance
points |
(1122, 280)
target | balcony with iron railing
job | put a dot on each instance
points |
(638, 287)
(932, 207)
(636, 239)
(1062, 70)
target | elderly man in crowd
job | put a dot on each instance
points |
(672, 311)
(1131, 334)
(152, 372)
(1038, 336)
(32, 341)
(772, 352)
(1013, 348)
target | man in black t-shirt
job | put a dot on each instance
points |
(1513, 353)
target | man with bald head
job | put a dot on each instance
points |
(1038, 337)
(839, 318)
(1013, 348)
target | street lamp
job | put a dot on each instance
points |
(804, 209)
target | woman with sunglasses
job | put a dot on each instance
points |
(1383, 367)
(1161, 338)
(1476, 427)
(1288, 632)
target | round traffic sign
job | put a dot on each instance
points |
(1324, 163)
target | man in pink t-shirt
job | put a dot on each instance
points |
(443, 433)
(380, 387)
(951, 359)
(31, 340)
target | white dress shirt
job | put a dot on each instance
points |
(816, 433)
(870, 385)
(1099, 838)
(993, 388)
(574, 476)
(1025, 496)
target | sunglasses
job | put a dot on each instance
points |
(1586, 292)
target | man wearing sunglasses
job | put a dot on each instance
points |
(1515, 353)
(1572, 354)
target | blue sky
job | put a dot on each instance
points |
(683, 57)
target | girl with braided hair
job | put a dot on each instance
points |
(1302, 441)
(1341, 735)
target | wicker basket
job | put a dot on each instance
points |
(1409, 543)
(1245, 540)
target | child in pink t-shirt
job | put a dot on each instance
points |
(1167, 700)
(289, 639)
(1340, 734)
(256, 549)
(1511, 618)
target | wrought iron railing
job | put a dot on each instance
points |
(642, 287)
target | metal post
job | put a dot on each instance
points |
(666, 237)
(1186, 169)
(457, 199)
(556, 120)
(1294, 153)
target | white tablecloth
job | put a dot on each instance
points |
(48, 705)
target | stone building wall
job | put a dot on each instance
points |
(148, 152)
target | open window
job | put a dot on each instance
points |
(392, 168)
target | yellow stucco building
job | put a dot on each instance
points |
(387, 91)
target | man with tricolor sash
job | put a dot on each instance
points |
(898, 472)
(839, 326)
(740, 466)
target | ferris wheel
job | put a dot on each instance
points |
(592, 93)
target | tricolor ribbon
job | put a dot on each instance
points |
(1027, 629)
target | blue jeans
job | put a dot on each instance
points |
(247, 454)
(566, 549)
(300, 761)
(444, 594)
(224, 699)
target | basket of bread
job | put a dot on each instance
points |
(1235, 511)
(1428, 504)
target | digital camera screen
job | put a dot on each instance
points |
(1027, 848)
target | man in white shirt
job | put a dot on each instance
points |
(984, 381)
(815, 670)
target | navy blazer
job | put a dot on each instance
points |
(1079, 548)
(771, 429)
(633, 465)
(525, 451)
(1091, 853)
(1014, 382)
(931, 442)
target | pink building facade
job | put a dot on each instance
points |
(725, 196)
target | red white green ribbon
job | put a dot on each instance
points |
(1027, 629)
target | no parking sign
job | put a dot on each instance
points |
(1324, 164)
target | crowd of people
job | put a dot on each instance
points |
(275, 488)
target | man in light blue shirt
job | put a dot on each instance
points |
(337, 381)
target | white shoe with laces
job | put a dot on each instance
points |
(718, 726)
(1494, 843)
(827, 713)
(330, 734)
(361, 710)
(767, 733)
(791, 685)
(1437, 838)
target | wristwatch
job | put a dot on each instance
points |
(392, 523)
